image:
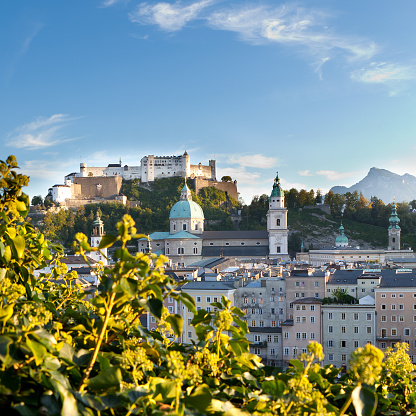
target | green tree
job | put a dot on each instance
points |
(226, 179)
(37, 200)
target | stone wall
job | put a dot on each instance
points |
(230, 188)
(99, 187)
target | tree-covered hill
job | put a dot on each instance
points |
(151, 215)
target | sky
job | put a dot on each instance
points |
(320, 91)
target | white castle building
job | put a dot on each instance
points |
(187, 242)
(153, 167)
(97, 184)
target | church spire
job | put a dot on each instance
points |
(277, 190)
(186, 193)
(394, 219)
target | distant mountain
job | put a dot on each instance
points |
(385, 185)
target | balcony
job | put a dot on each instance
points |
(389, 339)
(261, 344)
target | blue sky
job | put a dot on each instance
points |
(321, 91)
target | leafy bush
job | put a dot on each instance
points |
(63, 355)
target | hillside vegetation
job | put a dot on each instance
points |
(151, 215)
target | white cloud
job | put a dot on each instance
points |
(169, 17)
(333, 175)
(39, 134)
(240, 174)
(289, 25)
(383, 72)
(254, 161)
(305, 173)
(108, 3)
(289, 185)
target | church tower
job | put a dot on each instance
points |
(277, 223)
(96, 236)
(394, 230)
(341, 240)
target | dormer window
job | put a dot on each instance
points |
(174, 227)
(184, 227)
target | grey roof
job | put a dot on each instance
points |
(256, 283)
(201, 285)
(72, 259)
(209, 262)
(235, 251)
(230, 235)
(389, 278)
(288, 322)
(272, 329)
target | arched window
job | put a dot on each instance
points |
(278, 222)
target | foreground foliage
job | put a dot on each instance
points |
(62, 355)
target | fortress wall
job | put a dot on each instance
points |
(201, 171)
(229, 187)
(99, 187)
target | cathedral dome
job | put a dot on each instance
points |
(186, 209)
(341, 240)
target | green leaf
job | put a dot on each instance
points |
(110, 377)
(155, 307)
(107, 241)
(364, 401)
(176, 322)
(200, 398)
(38, 350)
(19, 245)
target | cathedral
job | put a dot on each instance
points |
(187, 242)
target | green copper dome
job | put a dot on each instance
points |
(97, 221)
(186, 209)
(277, 190)
(394, 219)
(341, 239)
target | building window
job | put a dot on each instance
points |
(291, 305)
(261, 324)
(272, 351)
(181, 250)
(198, 299)
(208, 299)
(383, 295)
(286, 351)
(343, 329)
(298, 307)
(356, 329)
(253, 323)
(330, 328)
(344, 357)
(297, 335)
(174, 227)
(383, 345)
(330, 315)
(394, 332)
(401, 318)
(406, 332)
(269, 338)
(356, 344)
(355, 316)
(189, 334)
(369, 330)
(304, 335)
(330, 343)
(393, 295)
(312, 319)
(316, 284)
(275, 338)
(167, 250)
(278, 222)
(383, 306)
(245, 300)
(273, 323)
(383, 318)
(369, 317)
(312, 307)
(184, 227)
(331, 357)
(393, 306)
(257, 351)
(257, 338)
(343, 316)
(286, 335)
(394, 318)
(343, 344)
(312, 335)
(401, 306)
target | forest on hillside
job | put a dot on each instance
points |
(368, 217)
(152, 213)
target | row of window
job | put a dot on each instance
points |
(304, 335)
(393, 306)
(275, 338)
(303, 307)
(260, 311)
(257, 351)
(260, 300)
(303, 319)
(181, 250)
(302, 295)
(299, 284)
(369, 316)
(368, 329)
(394, 332)
(261, 323)
(393, 295)
(208, 299)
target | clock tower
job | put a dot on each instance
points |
(277, 223)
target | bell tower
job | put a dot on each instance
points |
(277, 223)
(96, 236)
(394, 230)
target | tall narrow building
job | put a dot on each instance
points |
(277, 223)
(96, 236)
(394, 230)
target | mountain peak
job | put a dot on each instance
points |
(383, 184)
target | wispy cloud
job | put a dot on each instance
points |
(108, 3)
(383, 72)
(254, 161)
(261, 24)
(333, 175)
(289, 185)
(169, 17)
(40, 134)
(305, 173)
(290, 25)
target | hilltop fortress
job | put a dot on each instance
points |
(103, 184)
